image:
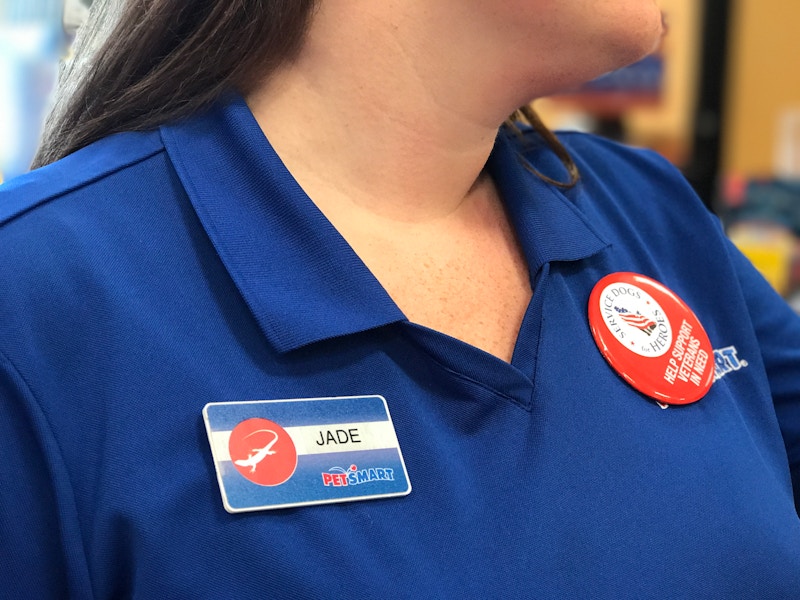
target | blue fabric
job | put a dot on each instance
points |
(152, 273)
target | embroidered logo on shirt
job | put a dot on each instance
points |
(726, 360)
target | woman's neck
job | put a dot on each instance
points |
(374, 117)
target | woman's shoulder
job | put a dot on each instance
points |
(597, 156)
(79, 217)
(618, 183)
(116, 162)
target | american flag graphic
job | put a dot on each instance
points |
(636, 320)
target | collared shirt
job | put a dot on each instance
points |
(152, 273)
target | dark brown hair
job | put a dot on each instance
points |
(164, 59)
(527, 114)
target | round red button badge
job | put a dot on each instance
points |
(651, 338)
(262, 451)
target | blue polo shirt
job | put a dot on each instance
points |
(152, 273)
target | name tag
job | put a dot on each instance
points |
(286, 453)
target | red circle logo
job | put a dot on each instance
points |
(651, 338)
(262, 452)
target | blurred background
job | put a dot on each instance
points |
(720, 99)
(32, 40)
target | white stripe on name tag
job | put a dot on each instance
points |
(325, 439)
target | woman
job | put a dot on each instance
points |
(316, 270)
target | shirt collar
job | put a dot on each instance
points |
(300, 278)
(548, 223)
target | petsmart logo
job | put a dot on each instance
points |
(726, 361)
(339, 477)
